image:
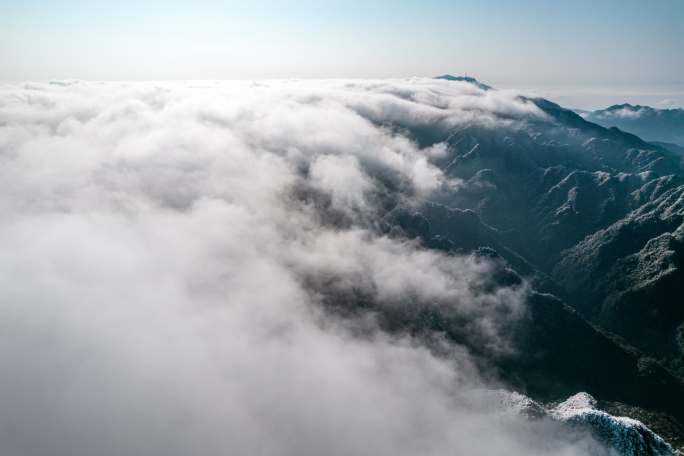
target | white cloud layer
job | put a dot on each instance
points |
(166, 249)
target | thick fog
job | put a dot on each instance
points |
(183, 270)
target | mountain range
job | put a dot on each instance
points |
(593, 218)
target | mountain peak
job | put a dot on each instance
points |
(468, 79)
(625, 106)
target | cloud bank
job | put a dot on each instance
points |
(174, 257)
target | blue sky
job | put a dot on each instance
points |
(622, 45)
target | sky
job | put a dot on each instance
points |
(567, 49)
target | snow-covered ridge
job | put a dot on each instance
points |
(626, 436)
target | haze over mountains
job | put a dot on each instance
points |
(410, 266)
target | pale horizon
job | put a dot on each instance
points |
(567, 50)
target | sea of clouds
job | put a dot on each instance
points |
(171, 253)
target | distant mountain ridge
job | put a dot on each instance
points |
(468, 79)
(652, 124)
